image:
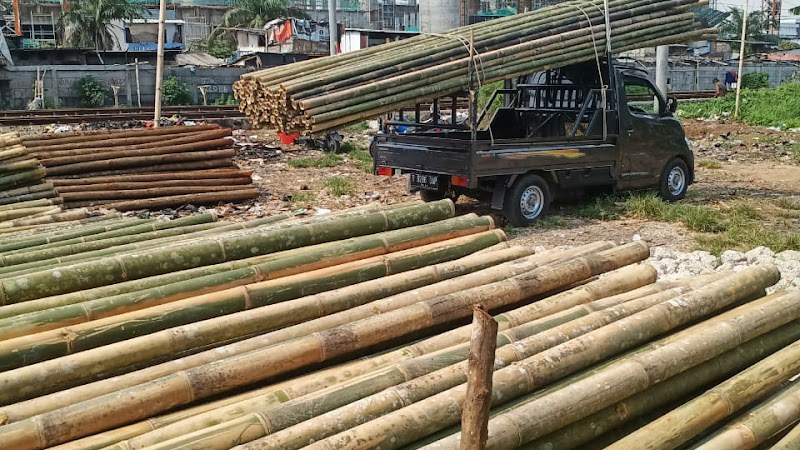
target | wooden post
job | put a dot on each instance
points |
(739, 75)
(162, 13)
(475, 417)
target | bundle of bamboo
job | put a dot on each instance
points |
(23, 192)
(140, 169)
(320, 94)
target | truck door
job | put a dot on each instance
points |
(645, 132)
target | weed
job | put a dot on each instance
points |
(358, 127)
(695, 218)
(326, 160)
(748, 235)
(340, 186)
(709, 164)
(762, 107)
(601, 208)
(787, 203)
(303, 197)
(549, 222)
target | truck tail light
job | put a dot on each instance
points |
(458, 181)
(385, 171)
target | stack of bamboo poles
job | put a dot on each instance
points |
(352, 331)
(24, 195)
(325, 93)
(142, 169)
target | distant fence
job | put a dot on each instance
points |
(16, 84)
(701, 78)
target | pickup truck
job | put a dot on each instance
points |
(554, 133)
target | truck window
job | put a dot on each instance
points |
(642, 98)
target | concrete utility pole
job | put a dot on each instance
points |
(739, 75)
(662, 68)
(162, 13)
(333, 28)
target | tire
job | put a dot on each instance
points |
(674, 181)
(527, 201)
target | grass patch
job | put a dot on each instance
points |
(709, 164)
(549, 222)
(340, 186)
(600, 208)
(358, 127)
(695, 218)
(794, 149)
(326, 160)
(779, 107)
(748, 235)
(787, 203)
(361, 158)
(303, 197)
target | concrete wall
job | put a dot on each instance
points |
(688, 78)
(16, 85)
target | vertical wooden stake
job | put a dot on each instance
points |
(739, 74)
(475, 417)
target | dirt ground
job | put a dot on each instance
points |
(733, 162)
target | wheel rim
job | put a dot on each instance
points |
(676, 181)
(531, 203)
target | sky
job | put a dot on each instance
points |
(756, 5)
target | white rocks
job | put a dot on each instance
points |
(673, 265)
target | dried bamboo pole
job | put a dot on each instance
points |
(717, 403)
(759, 424)
(30, 349)
(211, 164)
(619, 281)
(206, 198)
(535, 363)
(196, 175)
(214, 250)
(681, 385)
(211, 182)
(371, 289)
(679, 352)
(114, 196)
(150, 398)
(55, 141)
(139, 161)
(205, 145)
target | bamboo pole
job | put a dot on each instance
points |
(619, 281)
(595, 337)
(25, 350)
(195, 175)
(475, 418)
(790, 441)
(681, 385)
(205, 145)
(211, 164)
(205, 198)
(760, 424)
(116, 137)
(39, 239)
(210, 182)
(171, 391)
(681, 351)
(212, 250)
(139, 161)
(371, 289)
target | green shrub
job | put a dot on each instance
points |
(175, 92)
(778, 107)
(339, 186)
(757, 80)
(91, 92)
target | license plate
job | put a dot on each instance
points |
(425, 181)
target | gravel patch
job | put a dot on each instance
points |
(674, 265)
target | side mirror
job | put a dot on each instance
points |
(672, 104)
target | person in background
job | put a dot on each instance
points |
(730, 80)
(719, 90)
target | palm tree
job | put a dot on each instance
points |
(256, 13)
(731, 28)
(90, 22)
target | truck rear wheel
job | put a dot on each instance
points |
(674, 180)
(528, 200)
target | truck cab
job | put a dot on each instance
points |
(542, 136)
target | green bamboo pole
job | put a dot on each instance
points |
(435, 405)
(28, 197)
(619, 281)
(26, 164)
(151, 398)
(682, 385)
(25, 350)
(9, 216)
(790, 441)
(373, 289)
(59, 236)
(45, 186)
(68, 216)
(30, 204)
(760, 424)
(211, 250)
(635, 374)
(19, 178)
(716, 404)
(155, 291)
(119, 231)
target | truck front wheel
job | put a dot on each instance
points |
(527, 200)
(674, 180)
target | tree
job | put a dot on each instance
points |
(256, 13)
(795, 10)
(90, 22)
(731, 28)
